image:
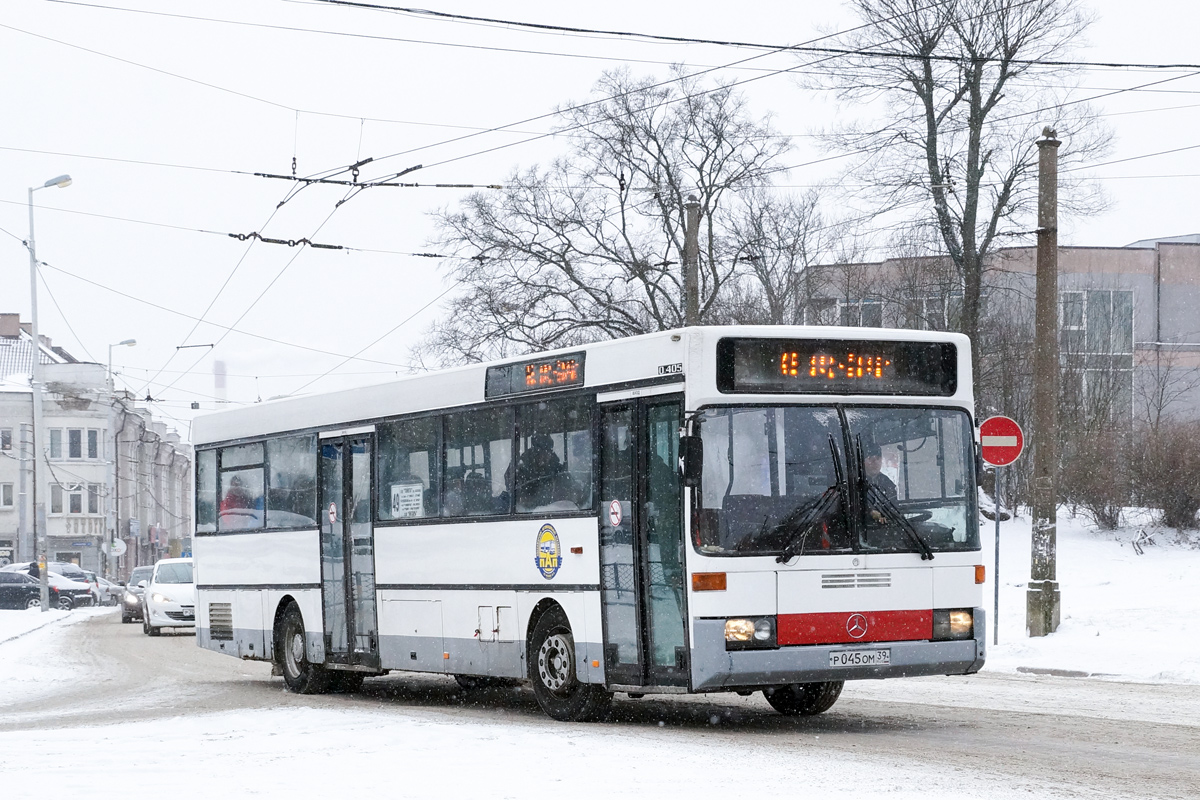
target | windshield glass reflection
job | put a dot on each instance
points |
(791, 481)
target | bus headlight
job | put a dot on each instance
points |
(746, 633)
(956, 623)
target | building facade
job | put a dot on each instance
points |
(1129, 317)
(109, 472)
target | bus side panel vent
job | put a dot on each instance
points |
(220, 621)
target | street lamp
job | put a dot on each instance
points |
(39, 513)
(111, 515)
(126, 343)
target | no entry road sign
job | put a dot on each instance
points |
(1002, 441)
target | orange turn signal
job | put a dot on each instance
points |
(980, 573)
(708, 581)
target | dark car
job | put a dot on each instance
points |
(18, 590)
(131, 600)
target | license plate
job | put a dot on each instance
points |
(860, 658)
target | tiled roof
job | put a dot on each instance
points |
(16, 355)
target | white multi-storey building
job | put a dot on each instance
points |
(110, 472)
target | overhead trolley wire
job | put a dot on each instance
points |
(806, 47)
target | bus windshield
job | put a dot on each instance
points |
(805, 480)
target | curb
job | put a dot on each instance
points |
(31, 630)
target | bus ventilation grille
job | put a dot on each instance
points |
(856, 580)
(220, 621)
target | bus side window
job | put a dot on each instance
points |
(206, 490)
(407, 468)
(554, 469)
(478, 450)
(292, 482)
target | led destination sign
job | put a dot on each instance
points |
(534, 376)
(836, 366)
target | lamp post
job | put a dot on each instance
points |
(111, 517)
(125, 343)
(39, 511)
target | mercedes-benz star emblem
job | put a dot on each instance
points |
(856, 626)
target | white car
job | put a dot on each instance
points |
(170, 597)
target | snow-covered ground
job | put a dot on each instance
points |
(1126, 617)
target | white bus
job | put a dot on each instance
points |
(702, 510)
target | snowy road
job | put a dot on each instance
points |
(126, 710)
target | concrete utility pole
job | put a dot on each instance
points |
(691, 261)
(1043, 601)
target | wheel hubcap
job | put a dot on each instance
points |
(556, 665)
(295, 653)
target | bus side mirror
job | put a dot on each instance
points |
(691, 458)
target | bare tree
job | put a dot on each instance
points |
(590, 247)
(961, 105)
(778, 240)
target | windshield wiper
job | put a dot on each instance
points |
(886, 506)
(804, 516)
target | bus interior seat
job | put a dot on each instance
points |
(477, 494)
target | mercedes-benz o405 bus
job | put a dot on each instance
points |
(775, 509)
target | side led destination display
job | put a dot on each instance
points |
(534, 376)
(836, 366)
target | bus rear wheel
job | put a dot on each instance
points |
(291, 649)
(556, 685)
(804, 699)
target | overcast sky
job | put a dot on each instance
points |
(155, 116)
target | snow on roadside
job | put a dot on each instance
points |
(1124, 615)
(25, 638)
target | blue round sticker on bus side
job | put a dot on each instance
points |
(549, 551)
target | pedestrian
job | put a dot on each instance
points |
(34, 570)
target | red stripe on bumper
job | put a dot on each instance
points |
(843, 627)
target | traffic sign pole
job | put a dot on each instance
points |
(1001, 441)
(996, 571)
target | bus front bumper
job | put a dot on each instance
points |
(715, 669)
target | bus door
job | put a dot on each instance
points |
(641, 544)
(348, 552)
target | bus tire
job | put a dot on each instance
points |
(804, 699)
(299, 674)
(556, 686)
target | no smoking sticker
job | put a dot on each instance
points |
(614, 513)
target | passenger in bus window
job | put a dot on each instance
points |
(872, 464)
(238, 496)
(538, 474)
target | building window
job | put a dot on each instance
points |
(5, 438)
(1096, 353)
(56, 443)
(93, 443)
(56, 499)
(93, 501)
(6, 495)
(821, 311)
(74, 442)
(861, 313)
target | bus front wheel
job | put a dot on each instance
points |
(556, 685)
(300, 674)
(804, 699)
